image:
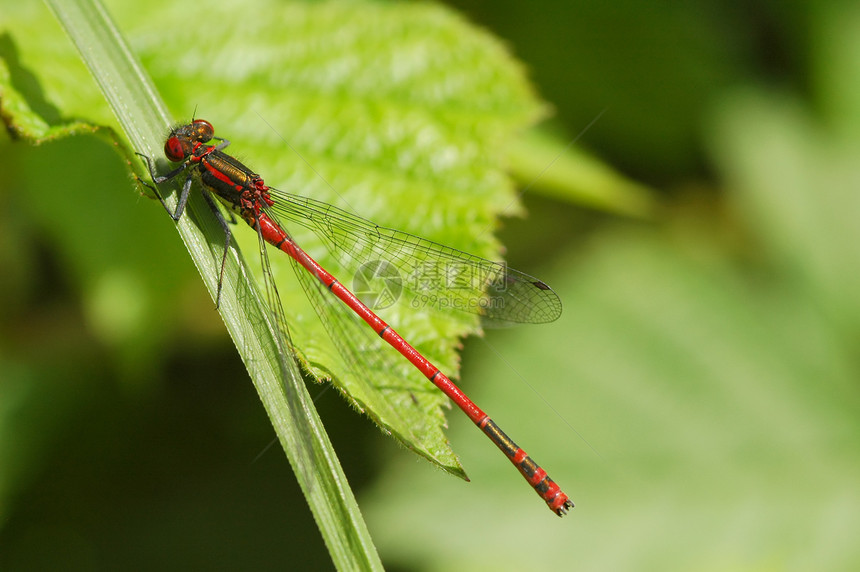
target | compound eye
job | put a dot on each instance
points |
(173, 149)
(203, 130)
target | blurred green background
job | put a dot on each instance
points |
(698, 399)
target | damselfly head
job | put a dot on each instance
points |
(202, 130)
(184, 139)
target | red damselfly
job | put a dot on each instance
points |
(499, 294)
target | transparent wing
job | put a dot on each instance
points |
(432, 274)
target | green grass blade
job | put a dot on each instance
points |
(142, 115)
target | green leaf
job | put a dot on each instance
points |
(543, 162)
(401, 113)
